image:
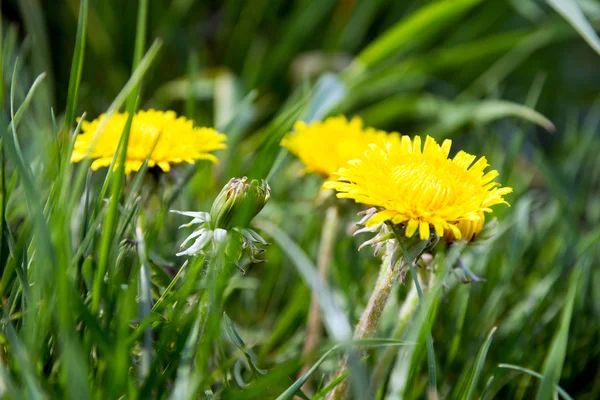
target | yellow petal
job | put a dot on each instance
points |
(455, 231)
(424, 230)
(411, 227)
(380, 217)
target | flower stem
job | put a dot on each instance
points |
(369, 319)
(405, 314)
(328, 236)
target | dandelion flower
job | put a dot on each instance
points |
(179, 140)
(324, 147)
(421, 188)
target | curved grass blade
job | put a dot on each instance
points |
(558, 389)
(569, 9)
(237, 340)
(479, 364)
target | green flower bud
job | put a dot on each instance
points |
(238, 203)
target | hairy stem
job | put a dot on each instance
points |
(404, 316)
(369, 319)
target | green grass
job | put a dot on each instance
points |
(94, 302)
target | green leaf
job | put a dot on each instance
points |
(77, 64)
(556, 356)
(237, 340)
(569, 9)
(424, 24)
(558, 389)
(479, 364)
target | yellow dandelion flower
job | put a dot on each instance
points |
(325, 146)
(179, 140)
(421, 188)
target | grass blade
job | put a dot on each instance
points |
(569, 9)
(145, 296)
(558, 389)
(77, 65)
(291, 391)
(556, 356)
(333, 317)
(479, 364)
(423, 25)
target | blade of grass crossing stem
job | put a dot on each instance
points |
(430, 351)
(110, 221)
(424, 24)
(145, 295)
(117, 103)
(556, 357)
(140, 174)
(569, 9)
(561, 392)
(140, 42)
(118, 180)
(76, 65)
(479, 365)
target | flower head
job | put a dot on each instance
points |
(239, 202)
(326, 146)
(421, 188)
(233, 209)
(179, 140)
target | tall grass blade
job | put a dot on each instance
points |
(77, 65)
(479, 365)
(570, 10)
(424, 24)
(558, 350)
(558, 389)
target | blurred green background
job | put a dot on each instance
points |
(491, 75)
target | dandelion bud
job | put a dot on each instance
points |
(468, 228)
(239, 202)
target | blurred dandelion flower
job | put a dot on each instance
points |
(324, 147)
(421, 188)
(179, 140)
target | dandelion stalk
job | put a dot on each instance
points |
(367, 325)
(368, 321)
(404, 315)
(313, 329)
